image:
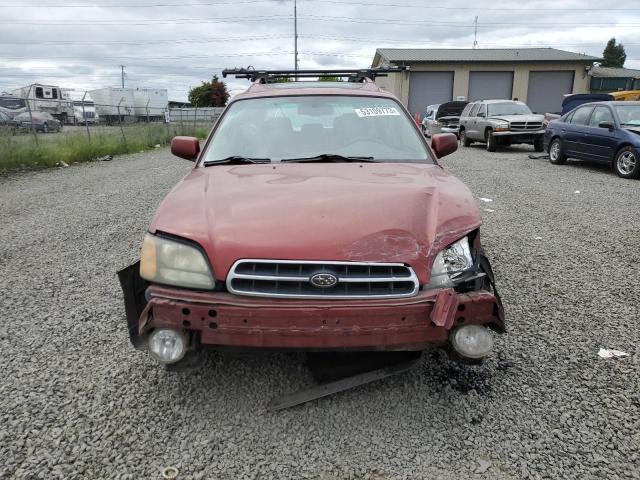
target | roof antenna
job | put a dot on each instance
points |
(475, 33)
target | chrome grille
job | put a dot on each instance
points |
(291, 279)
(525, 126)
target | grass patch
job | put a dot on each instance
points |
(21, 151)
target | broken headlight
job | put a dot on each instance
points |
(175, 263)
(451, 263)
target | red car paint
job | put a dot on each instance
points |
(373, 212)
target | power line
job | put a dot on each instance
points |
(150, 42)
(151, 22)
(336, 2)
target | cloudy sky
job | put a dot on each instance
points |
(175, 45)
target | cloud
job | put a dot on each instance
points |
(168, 44)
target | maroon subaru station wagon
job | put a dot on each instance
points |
(316, 217)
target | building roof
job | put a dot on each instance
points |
(609, 72)
(479, 55)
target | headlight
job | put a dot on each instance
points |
(174, 263)
(449, 263)
(501, 127)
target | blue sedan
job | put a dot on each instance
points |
(605, 132)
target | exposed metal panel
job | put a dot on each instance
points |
(547, 89)
(490, 85)
(429, 88)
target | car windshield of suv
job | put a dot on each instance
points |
(296, 127)
(629, 115)
(508, 108)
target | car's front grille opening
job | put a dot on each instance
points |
(272, 278)
(525, 125)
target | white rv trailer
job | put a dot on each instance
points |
(150, 103)
(46, 98)
(106, 102)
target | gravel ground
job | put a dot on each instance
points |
(78, 402)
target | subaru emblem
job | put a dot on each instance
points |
(323, 280)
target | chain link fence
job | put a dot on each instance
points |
(60, 132)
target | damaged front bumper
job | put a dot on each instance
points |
(221, 319)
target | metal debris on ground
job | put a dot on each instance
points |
(346, 382)
(489, 210)
(577, 191)
(63, 164)
(106, 158)
(609, 353)
(483, 199)
(537, 157)
(170, 473)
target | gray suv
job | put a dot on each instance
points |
(501, 122)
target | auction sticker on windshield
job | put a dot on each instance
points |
(376, 111)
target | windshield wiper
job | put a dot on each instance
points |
(236, 159)
(328, 157)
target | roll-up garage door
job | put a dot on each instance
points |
(547, 89)
(490, 85)
(429, 88)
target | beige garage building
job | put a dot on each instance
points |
(538, 76)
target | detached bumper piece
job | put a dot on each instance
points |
(226, 320)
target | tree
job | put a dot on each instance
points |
(613, 55)
(209, 94)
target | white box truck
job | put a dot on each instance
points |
(106, 101)
(150, 103)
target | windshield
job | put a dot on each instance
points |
(508, 108)
(629, 115)
(301, 127)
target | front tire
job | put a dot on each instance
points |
(464, 139)
(556, 152)
(538, 144)
(492, 144)
(627, 163)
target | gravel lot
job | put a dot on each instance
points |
(76, 401)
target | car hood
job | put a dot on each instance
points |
(373, 212)
(518, 118)
(635, 130)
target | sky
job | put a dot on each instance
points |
(175, 44)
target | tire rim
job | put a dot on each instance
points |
(626, 163)
(554, 153)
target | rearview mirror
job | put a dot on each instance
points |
(185, 147)
(444, 144)
(607, 125)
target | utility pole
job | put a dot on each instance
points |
(295, 35)
(122, 74)
(475, 33)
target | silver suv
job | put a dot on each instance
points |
(501, 122)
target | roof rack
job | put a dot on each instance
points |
(267, 76)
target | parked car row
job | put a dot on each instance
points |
(42, 122)
(605, 132)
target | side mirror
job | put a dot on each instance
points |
(185, 147)
(607, 125)
(481, 114)
(444, 144)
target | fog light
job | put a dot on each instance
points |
(472, 341)
(167, 346)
